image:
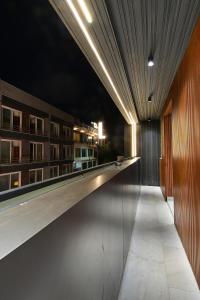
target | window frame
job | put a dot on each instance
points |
(35, 170)
(36, 125)
(10, 154)
(56, 125)
(35, 158)
(57, 150)
(53, 167)
(11, 121)
(9, 174)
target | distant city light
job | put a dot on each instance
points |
(94, 124)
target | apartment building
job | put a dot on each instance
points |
(36, 139)
(85, 146)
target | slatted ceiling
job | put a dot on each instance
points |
(125, 33)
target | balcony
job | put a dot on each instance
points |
(19, 129)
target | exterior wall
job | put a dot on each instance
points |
(87, 141)
(185, 97)
(28, 105)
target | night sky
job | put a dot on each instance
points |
(39, 56)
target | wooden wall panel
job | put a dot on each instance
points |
(166, 165)
(185, 95)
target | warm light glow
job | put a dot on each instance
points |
(133, 140)
(82, 131)
(75, 128)
(85, 10)
(89, 137)
(85, 32)
(132, 119)
(100, 131)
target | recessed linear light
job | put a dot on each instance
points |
(132, 119)
(87, 36)
(150, 61)
(85, 10)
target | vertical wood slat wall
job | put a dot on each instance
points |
(185, 96)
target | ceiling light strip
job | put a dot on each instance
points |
(85, 10)
(85, 32)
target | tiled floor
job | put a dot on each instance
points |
(23, 216)
(157, 267)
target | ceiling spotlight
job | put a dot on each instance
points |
(149, 98)
(150, 61)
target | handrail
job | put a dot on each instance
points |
(5, 195)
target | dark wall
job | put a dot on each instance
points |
(150, 152)
(82, 254)
(185, 97)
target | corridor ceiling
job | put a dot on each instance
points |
(119, 39)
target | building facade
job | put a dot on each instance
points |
(36, 139)
(85, 146)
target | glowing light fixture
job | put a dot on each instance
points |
(100, 131)
(92, 45)
(85, 10)
(75, 128)
(132, 120)
(133, 140)
(150, 61)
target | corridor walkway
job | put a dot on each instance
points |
(157, 267)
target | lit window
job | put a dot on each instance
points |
(10, 181)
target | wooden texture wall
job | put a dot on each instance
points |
(185, 97)
(150, 152)
(166, 162)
